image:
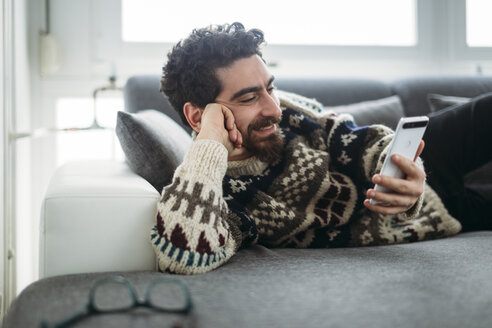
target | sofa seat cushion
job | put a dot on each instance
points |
(438, 283)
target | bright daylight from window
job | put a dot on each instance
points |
(87, 144)
(478, 23)
(328, 22)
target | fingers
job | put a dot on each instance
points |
(218, 123)
(405, 192)
(410, 168)
(385, 210)
(228, 117)
(218, 115)
(389, 203)
(408, 187)
(419, 150)
(392, 199)
(234, 135)
(239, 140)
(413, 183)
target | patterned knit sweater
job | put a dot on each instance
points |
(312, 197)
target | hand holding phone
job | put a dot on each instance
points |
(408, 135)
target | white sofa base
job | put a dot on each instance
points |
(96, 217)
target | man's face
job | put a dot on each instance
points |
(248, 93)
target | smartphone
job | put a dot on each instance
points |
(406, 141)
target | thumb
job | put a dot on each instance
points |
(419, 150)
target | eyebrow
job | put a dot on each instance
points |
(249, 89)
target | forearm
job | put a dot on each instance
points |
(192, 234)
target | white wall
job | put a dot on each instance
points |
(2, 159)
(25, 230)
(90, 37)
(15, 179)
(7, 99)
(42, 149)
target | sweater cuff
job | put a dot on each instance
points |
(204, 159)
(414, 210)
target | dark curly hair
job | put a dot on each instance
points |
(189, 74)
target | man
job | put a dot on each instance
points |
(271, 167)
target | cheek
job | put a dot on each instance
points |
(243, 122)
(242, 128)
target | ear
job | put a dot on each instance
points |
(193, 115)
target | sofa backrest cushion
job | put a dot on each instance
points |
(336, 91)
(439, 102)
(414, 91)
(143, 92)
(386, 111)
(153, 143)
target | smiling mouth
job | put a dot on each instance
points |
(265, 131)
(265, 128)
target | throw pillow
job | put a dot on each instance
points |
(153, 143)
(438, 102)
(386, 111)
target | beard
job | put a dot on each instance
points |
(267, 149)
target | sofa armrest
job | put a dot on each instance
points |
(96, 216)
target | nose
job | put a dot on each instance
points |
(270, 105)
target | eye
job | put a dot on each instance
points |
(247, 100)
(271, 88)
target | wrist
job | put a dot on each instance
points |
(209, 135)
(206, 159)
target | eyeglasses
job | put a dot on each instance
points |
(116, 294)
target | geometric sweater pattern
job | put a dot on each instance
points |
(312, 197)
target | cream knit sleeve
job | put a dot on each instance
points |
(192, 233)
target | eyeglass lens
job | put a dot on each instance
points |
(167, 296)
(112, 296)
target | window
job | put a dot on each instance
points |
(92, 143)
(328, 22)
(478, 23)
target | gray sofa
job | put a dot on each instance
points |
(141, 93)
(439, 283)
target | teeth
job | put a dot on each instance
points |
(266, 128)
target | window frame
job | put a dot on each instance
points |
(457, 34)
(110, 43)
